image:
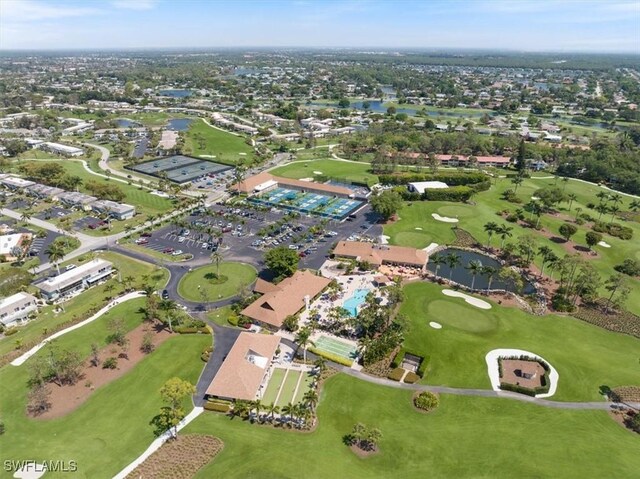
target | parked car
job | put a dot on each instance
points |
(168, 250)
(165, 294)
(177, 252)
(69, 267)
(181, 239)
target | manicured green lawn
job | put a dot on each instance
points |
(238, 275)
(465, 437)
(472, 218)
(305, 385)
(288, 388)
(585, 356)
(112, 427)
(273, 387)
(224, 146)
(340, 169)
(95, 297)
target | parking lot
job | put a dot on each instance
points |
(53, 212)
(234, 231)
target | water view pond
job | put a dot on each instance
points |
(176, 93)
(179, 124)
(462, 275)
(125, 123)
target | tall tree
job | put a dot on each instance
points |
(173, 393)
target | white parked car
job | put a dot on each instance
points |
(177, 252)
(181, 239)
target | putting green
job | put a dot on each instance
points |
(416, 238)
(459, 316)
(453, 210)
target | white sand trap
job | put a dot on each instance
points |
(207, 156)
(604, 244)
(435, 325)
(444, 219)
(306, 179)
(418, 228)
(384, 239)
(242, 154)
(494, 375)
(30, 471)
(317, 172)
(430, 248)
(478, 303)
(535, 198)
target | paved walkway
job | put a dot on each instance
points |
(604, 405)
(155, 445)
(21, 360)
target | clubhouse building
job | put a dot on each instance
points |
(284, 299)
(378, 255)
(245, 372)
(264, 182)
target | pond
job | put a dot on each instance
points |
(126, 123)
(461, 275)
(179, 124)
(176, 93)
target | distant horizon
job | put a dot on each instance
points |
(527, 26)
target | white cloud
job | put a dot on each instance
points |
(32, 10)
(135, 4)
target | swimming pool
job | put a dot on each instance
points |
(354, 302)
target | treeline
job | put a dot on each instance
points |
(54, 174)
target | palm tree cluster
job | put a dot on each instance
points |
(295, 415)
(503, 231)
(365, 437)
(610, 203)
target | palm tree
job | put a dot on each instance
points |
(256, 406)
(438, 260)
(565, 180)
(578, 210)
(602, 196)
(517, 181)
(272, 410)
(613, 210)
(216, 258)
(241, 408)
(453, 260)
(634, 205)
(26, 215)
(310, 398)
(373, 437)
(571, 197)
(489, 272)
(505, 232)
(490, 228)
(616, 199)
(55, 253)
(288, 410)
(169, 307)
(602, 209)
(474, 267)
(303, 339)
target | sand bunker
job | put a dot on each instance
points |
(494, 374)
(430, 248)
(317, 172)
(444, 219)
(604, 244)
(418, 228)
(30, 471)
(384, 239)
(478, 303)
(435, 325)
(207, 156)
(535, 198)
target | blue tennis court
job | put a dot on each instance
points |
(310, 203)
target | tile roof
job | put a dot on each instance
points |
(376, 254)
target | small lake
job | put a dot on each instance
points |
(176, 93)
(179, 124)
(125, 123)
(462, 275)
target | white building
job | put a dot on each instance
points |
(12, 245)
(16, 309)
(422, 186)
(119, 211)
(61, 149)
(75, 280)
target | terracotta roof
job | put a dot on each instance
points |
(462, 158)
(243, 370)
(376, 254)
(249, 184)
(288, 298)
(263, 286)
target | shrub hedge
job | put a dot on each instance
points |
(192, 330)
(398, 358)
(217, 406)
(422, 369)
(426, 401)
(614, 229)
(411, 378)
(396, 374)
(331, 357)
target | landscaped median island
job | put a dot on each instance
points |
(215, 282)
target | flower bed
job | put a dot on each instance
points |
(618, 321)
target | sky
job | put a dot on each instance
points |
(520, 25)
